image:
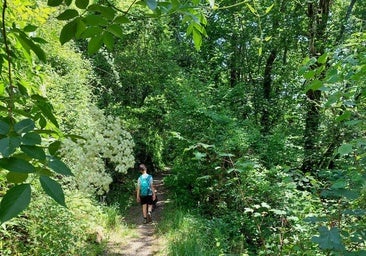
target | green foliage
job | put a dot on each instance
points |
(101, 24)
(188, 234)
(28, 124)
(47, 229)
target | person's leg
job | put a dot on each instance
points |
(144, 210)
(150, 208)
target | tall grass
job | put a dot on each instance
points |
(189, 234)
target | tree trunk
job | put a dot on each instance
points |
(267, 88)
(318, 18)
(343, 26)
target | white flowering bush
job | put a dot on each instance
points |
(104, 138)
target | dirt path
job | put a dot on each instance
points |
(141, 239)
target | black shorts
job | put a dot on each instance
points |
(146, 200)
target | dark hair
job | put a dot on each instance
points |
(142, 167)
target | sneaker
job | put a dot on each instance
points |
(149, 218)
(145, 221)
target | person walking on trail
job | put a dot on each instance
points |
(145, 193)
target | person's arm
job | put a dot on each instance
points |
(153, 188)
(138, 191)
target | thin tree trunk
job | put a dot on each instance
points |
(267, 88)
(343, 26)
(318, 18)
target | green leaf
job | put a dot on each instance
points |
(4, 128)
(251, 8)
(42, 122)
(8, 145)
(345, 116)
(323, 59)
(107, 12)
(68, 14)
(16, 177)
(198, 155)
(30, 28)
(94, 44)
(314, 85)
(329, 239)
(197, 39)
(34, 152)
(82, 4)
(108, 40)
(54, 147)
(345, 149)
(95, 20)
(68, 2)
(115, 30)
(90, 32)
(54, 3)
(23, 126)
(15, 201)
(80, 28)
(309, 75)
(339, 184)
(121, 19)
(58, 166)
(31, 138)
(28, 45)
(53, 189)
(269, 8)
(45, 107)
(68, 32)
(152, 4)
(14, 164)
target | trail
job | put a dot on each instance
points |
(142, 239)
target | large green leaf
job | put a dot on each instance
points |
(197, 39)
(58, 166)
(90, 32)
(107, 12)
(94, 44)
(329, 239)
(31, 138)
(108, 40)
(121, 19)
(28, 45)
(115, 30)
(4, 128)
(53, 189)
(68, 14)
(34, 152)
(345, 149)
(95, 20)
(16, 177)
(68, 32)
(15, 201)
(82, 4)
(8, 145)
(14, 164)
(23, 126)
(54, 147)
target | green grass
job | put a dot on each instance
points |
(186, 234)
